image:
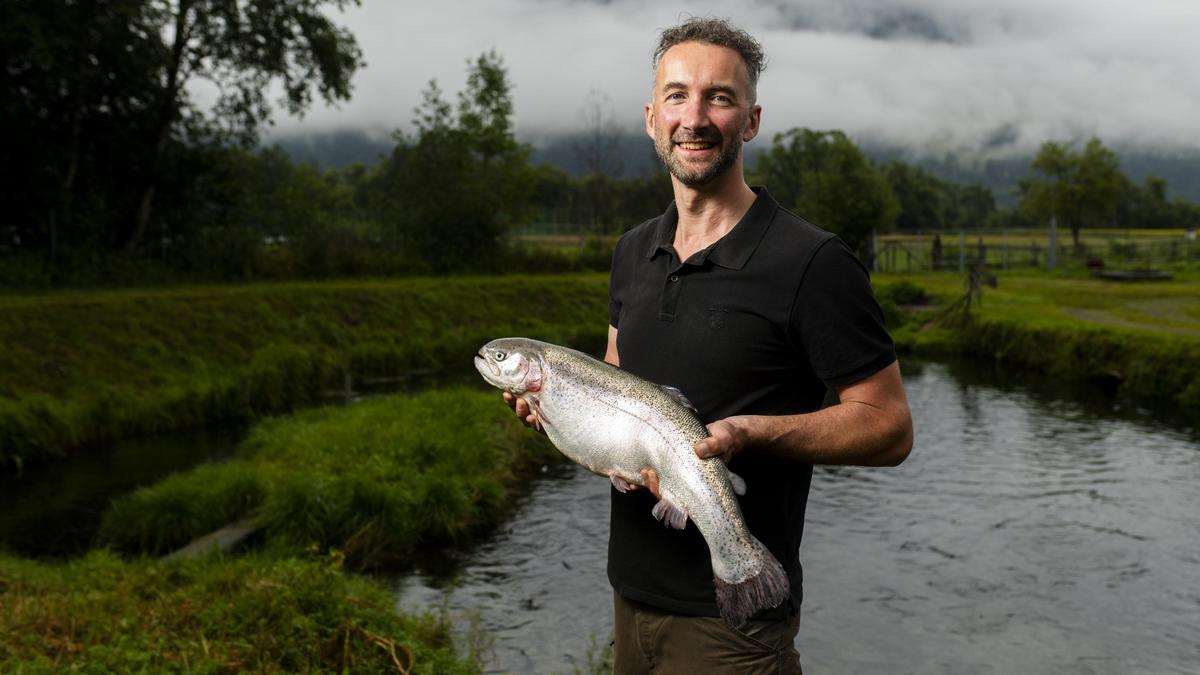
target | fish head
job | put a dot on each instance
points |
(511, 364)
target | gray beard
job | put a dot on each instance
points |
(725, 159)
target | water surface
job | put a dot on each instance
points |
(1028, 532)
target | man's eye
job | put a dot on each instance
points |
(499, 356)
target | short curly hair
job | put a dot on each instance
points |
(717, 32)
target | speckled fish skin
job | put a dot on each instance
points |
(614, 424)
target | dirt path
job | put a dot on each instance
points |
(1163, 310)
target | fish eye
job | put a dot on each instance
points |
(499, 356)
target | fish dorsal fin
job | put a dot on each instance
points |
(738, 483)
(679, 398)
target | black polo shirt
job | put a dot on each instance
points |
(760, 322)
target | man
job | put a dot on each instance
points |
(754, 314)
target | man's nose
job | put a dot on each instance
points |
(694, 114)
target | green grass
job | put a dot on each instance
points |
(79, 367)
(376, 480)
(1146, 336)
(99, 614)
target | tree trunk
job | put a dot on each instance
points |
(67, 185)
(166, 117)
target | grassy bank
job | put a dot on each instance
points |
(375, 480)
(1143, 338)
(84, 366)
(78, 367)
(100, 614)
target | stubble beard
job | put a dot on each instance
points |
(694, 177)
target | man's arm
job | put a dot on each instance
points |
(870, 426)
(610, 354)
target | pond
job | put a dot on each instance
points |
(1033, 529)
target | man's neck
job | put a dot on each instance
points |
(709, 212)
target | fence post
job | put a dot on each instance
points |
(1052, 254)
(962, 250)
(874, 250)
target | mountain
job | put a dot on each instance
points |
(633, 155)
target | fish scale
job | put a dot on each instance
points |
(615, 423)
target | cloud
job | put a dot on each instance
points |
(935, 75)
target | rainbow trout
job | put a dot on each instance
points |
(615, 424)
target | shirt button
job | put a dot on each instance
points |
(674, 277)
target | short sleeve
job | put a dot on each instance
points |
(617, 280)
(836, 320)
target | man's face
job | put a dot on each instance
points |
(701, 111)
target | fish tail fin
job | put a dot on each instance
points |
(738, 601)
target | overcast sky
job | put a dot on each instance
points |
(932, 74)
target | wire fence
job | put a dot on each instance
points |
(1097, 250)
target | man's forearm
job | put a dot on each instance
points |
(871, 426)
(848, 433)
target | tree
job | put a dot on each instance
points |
(77, 76)
(1076, 188)
(453, 190)
(920, 196)
(824, 177)
(974, 205)
(100, 111)
(241, 48)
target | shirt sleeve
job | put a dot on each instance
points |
(616, 282)
(836, 320)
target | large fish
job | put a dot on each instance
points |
(615, 424)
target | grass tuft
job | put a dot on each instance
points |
(375, 480)
(253, 613)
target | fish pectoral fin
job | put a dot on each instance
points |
(621, 484)
(670, 514)
(682, 400)
(541, 422)
(739, 484)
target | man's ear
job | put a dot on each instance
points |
(649, 120)
(752, 123)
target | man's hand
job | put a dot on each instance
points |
(726, 438)
(528, 417)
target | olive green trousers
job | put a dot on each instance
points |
(650, 640)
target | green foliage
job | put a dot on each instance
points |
(1147, 206)
(81, 367)
(904, 292)
(825, 178)
(1144, 336)
(101, 81)
(1078, 188)
(927, 203)
(453, 191)
(375, 480)
(100, 614)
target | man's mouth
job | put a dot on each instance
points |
(696, 145)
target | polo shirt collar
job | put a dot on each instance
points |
(732, 250)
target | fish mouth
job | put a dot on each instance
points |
(485, 366)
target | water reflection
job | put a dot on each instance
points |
(1028, 532)
(53, 510)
